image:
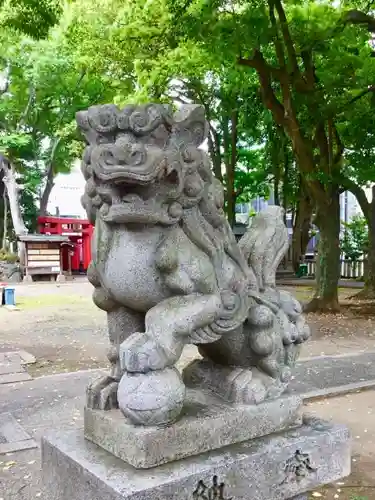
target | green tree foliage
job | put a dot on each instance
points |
(150, 58)
(288, 89)
(354, 240)
(315, 70)
(311, 62)
(31, 17)
(44, 85)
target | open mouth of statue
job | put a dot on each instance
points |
(134, 203)
(133, 198)
(122, 175)
(132, 208)
(124, 168)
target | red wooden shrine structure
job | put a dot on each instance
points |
(75, 258)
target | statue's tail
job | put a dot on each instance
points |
(264, 245)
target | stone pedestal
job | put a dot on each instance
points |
(277, 467)
(207, 423)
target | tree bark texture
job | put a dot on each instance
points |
(369, 289)
(301, 228)
(46, 193)
(328, 223)
(5, 221)
(13, 189)
(50, 178)
(229, 124)
(368, 209)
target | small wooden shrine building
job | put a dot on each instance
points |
(43, 256)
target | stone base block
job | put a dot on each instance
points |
(276, 467)
(207, 423)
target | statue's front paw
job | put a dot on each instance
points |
(101, 394)
(140, 353)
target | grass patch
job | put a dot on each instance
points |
(51, 300)
(305, 293)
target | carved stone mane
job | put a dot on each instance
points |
(192, 196)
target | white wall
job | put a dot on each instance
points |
(66, 194)
(349, 201)
(69, 188)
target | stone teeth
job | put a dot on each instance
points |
(131, 198)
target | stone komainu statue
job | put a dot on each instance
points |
(168, 271)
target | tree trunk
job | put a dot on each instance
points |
(285, 175)
(328, 223)
(368, 209)
(301, 229)
(5, 221)
(230, 159)
(13, 189)
(231, 203)
(286, 259)
(215, 153)
(50, 178)
(368, 291)
(231, 174)
(276, 184)
(46, 193)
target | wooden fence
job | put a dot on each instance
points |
(349, 269)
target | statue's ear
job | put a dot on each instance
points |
(83, 125)
(190, 125)
(97, 122)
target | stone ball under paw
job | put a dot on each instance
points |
(261, 316)
(153, 398)
(262, 343)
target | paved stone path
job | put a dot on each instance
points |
(315, 377)
(12, 366)
(333, 375)
(32, 408)
(57, 400)
(12, 436)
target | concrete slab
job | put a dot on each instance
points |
(6, 368)
(13, 436)
(12, 366)
(13, 357)
(28, 444)
(11, 430)
(26, 358)
(11, 378)
(327, 373)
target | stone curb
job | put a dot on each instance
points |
(340, 390)
(356, 285)
(335, 356)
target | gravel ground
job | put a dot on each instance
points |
(65, 331)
